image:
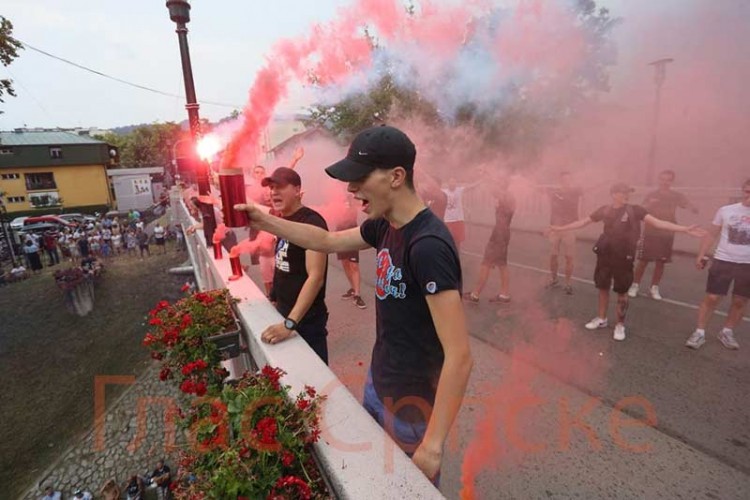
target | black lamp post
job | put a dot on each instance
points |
(660, 74)
(179, 12)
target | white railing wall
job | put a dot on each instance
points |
(358, 458)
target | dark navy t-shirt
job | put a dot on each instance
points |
(414, 261)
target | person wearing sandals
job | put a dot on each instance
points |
(496, 252)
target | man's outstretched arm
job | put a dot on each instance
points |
(304, 235)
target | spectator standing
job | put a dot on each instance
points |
(130, 242)
(421, 360)
(50, 245)
(731, 265)
(656, 245)
(83, 246)
(32, 254)
(116, 243)
(159, 237)
(615, 251)
(350, 260)
(51, 494)
(142, 237)
(496, 251)
(299, 278)
(454, 209)
(564, 201)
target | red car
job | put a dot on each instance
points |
(48, 219)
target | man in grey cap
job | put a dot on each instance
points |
(421, 359)
(616, 248)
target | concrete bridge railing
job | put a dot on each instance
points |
(356, 455)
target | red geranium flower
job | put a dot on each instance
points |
(185, 287)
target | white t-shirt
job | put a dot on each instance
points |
(158, 232)
(454, 210)
(734, 245)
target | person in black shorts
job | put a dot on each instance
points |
(731, 265)
(421, 360)
(615, 250)
(656, 245)
(350, 260)
(496, 251)
(299, 277)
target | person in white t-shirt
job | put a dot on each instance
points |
(731, 264)
(160, 237)
(454, 210)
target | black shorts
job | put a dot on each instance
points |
(350, 256)
(496, 252)
(315, 333)
(723, 273)
(159, 241)
(615, 269)
(656, 247)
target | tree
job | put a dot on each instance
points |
(9, 48)
(147, 145)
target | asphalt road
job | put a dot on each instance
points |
(554, 410)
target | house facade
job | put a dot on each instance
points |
(44, 171)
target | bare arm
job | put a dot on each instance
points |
(298, 154)
(675, 228)
(305, 235)
(315, 264)
(448, 316)
(574, 225)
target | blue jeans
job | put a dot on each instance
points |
(407, 435)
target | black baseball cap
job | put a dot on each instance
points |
(282, 176)
(621, 187)
(376, 147)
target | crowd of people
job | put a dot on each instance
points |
(134, 488)
(103, 238)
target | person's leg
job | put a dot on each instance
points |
(706, 309)
(569, 264)
(346, 265)
(553, 267)
(640, 270)
(658, 273)
(622, 307)
(736, 311)
(484, 273)
(603, 303)
(355, 279)
(504, 280)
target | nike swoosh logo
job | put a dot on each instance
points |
(360, 153)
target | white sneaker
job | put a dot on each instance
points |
(696, 340)
(633, 291)
(726, 337)
(619, 332)
(655, 293)
(597, 323)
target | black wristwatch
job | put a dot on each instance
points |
(290, 324)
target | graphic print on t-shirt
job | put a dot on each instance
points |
(387, 276)
(282, 251)
(738, 230)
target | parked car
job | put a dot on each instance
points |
(78, 218)
(54, 220)
(17, 223)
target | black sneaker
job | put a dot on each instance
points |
(348, 295)
(469, 296)
(568, 290)
(359, 302)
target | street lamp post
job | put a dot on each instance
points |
(660, 74)
(179, 13)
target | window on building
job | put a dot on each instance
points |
(55, 152)
(6, 177)
(6, 151)
(43, 180)
(48, 199)
(16, 199)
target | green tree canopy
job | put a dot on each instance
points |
(9, 48)
(146, 146)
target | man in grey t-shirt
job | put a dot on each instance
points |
(564, 202)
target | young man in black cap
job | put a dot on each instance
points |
(299, 277)
(615, 250)
(421, 360)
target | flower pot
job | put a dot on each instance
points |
(228, 343)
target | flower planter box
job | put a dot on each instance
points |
(228, 343)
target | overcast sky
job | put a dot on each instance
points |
(134, 40)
